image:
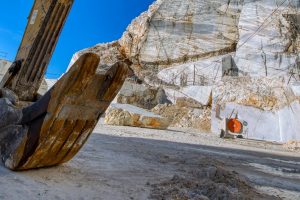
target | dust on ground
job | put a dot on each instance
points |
(134, 163)
(204, 182)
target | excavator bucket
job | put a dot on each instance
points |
(44, 26)
(53, 129)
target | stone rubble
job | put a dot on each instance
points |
(141, 95)
(186, 117)
(128, 115)
(292, 145)
(262, 93)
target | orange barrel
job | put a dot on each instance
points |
(234, 126)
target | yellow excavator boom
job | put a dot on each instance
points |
(44, 26)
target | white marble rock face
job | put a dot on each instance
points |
(175, 37)
(201, 94)
(202, 72)
(279, 126)
(186, 29)
(268, 40)
(266, 37)
(270, 108)
(177, 44)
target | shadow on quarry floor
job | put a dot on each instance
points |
(118, 167)
(272, 172)
(253, 162)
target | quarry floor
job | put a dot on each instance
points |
(125, 162)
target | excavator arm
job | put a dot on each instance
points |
(51, 130)
(44, 26)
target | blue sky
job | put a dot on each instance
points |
(90, 22)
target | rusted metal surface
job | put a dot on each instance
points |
(58, 125)
(52, 130)
(44, 26)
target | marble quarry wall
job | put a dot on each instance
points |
(242, 54)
